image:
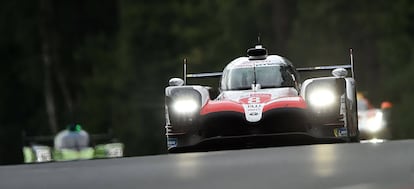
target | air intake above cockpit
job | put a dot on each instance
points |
(257, 53)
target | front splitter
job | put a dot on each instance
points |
(256, 141)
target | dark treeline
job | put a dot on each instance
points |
(105, 63)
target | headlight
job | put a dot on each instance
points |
(322, 98)
(375, 124)
(185, 106)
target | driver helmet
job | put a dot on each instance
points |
(74, 127)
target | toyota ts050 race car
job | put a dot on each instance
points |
(261, 102)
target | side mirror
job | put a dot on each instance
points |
(339, 72)
(176, 82)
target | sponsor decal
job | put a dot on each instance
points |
(43, 155)
(341, 132)
(257, 63)
(172, 142)
(255, 98)
(114, 151)
(253, 112)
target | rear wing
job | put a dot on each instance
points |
(203, 75)
(306, 69)
(199, 75)
(317, 68)
(324, 68)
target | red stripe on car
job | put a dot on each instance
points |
(221, 106)
(286, 102)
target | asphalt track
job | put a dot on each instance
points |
(339, 166)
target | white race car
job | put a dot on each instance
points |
(261, 102)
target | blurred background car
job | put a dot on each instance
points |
(39, 149)
(373, 122)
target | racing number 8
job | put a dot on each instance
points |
(253, 100)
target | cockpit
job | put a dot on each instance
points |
(268, 76)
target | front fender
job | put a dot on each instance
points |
(322, 111)
(178, 121)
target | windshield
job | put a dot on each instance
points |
(267, 77)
